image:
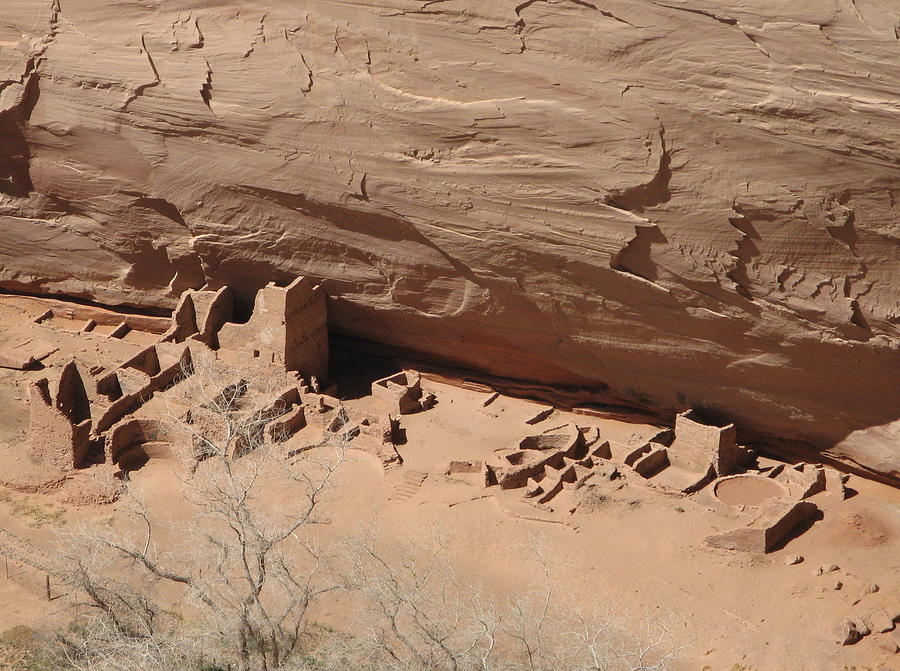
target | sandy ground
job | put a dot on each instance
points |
(630, 549)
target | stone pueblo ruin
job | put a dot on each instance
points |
(592, 305)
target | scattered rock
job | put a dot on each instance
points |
(889, 643)
(870, 588)
(881, 622)
(818, 571)
(846, 633)
(850, 631)
(790, 560)
(838, 585)
(832, 568)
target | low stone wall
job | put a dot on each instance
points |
(138, 430)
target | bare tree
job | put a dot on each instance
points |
(101, 645)
(248, 563)
(420, 614)
(411, 612)
(424, 617)
(603, 639)
(247, 569)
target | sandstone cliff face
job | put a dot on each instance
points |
(693, 202)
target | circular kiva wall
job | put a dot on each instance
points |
(747, 490)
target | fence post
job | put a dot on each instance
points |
(48, 586)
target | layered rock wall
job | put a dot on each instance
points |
(693, 203)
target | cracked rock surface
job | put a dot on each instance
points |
(683, 202)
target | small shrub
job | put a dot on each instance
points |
(23, 649)
(35, 515)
